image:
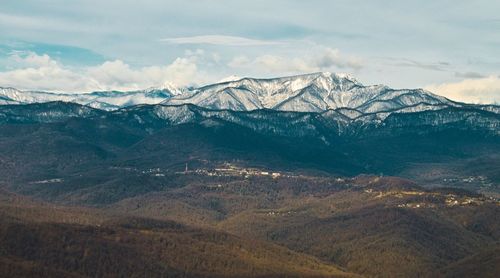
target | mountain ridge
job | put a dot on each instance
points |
(311, 92)
(304, 93)
(337, 101)
(104, 100)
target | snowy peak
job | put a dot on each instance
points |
(229, 79)
(315, 92)
(252, 93)
(167, 88)
(324, 80)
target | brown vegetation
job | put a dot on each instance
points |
(31, 246)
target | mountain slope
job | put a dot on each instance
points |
(79, 149)
(382, 227)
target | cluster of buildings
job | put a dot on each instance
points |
(228, 169)
(452, 200)
(279, 213)
(417, 205)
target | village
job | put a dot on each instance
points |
(230, 170)
(226, 169)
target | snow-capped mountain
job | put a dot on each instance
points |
(294, 105)
(314, 92)
(105, 100)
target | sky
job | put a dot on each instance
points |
(449, 47)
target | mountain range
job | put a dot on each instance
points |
(105, 100)
(314, 92)
(305, 176)
(337, 101)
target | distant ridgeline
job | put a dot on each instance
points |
(318, 104)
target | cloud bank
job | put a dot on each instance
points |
(477, 90)
(41, 72)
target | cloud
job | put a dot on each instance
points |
(219, 40)
(41, 72)
(320, 59)
(479, 90)
(469, 75)
(330, 57)
(31, 59)
(119, 75)
(437, 66)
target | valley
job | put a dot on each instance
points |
(396, 183)
(319, 226)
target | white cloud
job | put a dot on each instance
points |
(470, 74)
(41, 72)
(219, 40)
(480, 90)
(320, 59)
(435, 66)
(30, 59)
(329, 57)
